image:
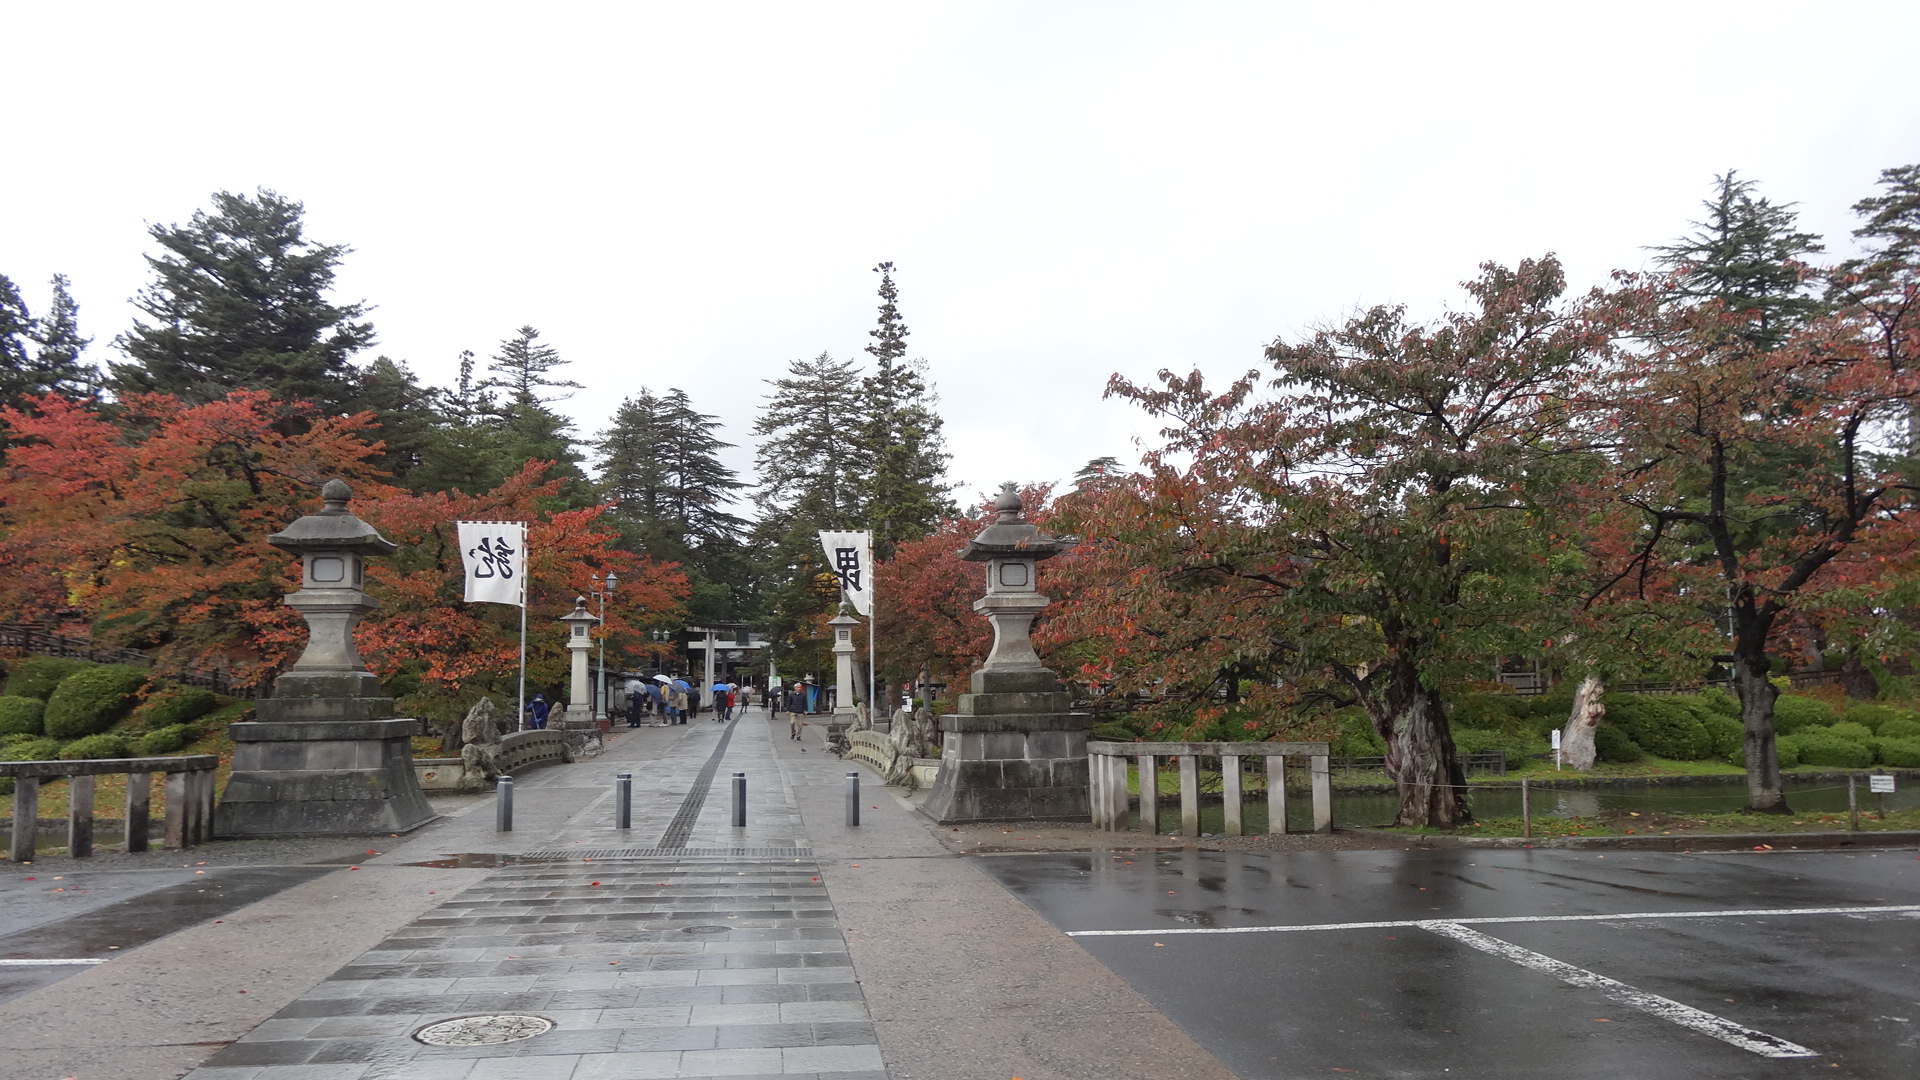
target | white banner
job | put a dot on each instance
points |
(850, 555)
(495, 553)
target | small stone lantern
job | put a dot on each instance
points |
(326, 757)
(579, 623)
(1013, 751)
(844, 713)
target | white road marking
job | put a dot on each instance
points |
(47, 963)
(1706, 1023)
(1889, 909)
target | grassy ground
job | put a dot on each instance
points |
(1654, 823)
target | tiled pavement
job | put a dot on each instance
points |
(761, 986)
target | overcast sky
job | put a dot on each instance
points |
(693, 194)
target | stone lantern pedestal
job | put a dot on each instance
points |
(1013, 751)
(326, 757)
(845, 714)
(583, 731)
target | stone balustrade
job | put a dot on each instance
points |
(1108, 767)
(189, 799)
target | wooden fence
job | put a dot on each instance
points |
(1108, 761)
(189, 799)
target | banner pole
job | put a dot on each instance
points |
(526, 569)
(873, 658)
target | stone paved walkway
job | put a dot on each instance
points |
(683, 947)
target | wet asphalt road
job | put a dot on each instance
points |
(1407, 1001)
(95, 914)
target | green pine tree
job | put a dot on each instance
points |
(907, 494)
(1749, 255)
(524, 371)
(42, 356)
(239, 300)
(466, 451)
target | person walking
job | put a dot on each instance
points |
(771, 699)
(797, 711)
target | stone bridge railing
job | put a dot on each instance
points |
(189, 799)
(523, 750)
(1108, 761)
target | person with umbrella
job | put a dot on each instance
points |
(681, 688)
(722, 703)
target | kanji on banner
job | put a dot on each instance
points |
(495, 554)
(850, 556)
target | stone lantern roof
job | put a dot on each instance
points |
(1011, 536)
(334, 528)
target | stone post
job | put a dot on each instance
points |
(326, 757)
(845, 715)
(1013, 751)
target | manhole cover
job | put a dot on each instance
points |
(483, 1030)
(705, 929)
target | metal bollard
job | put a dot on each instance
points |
(853, 798)
(623, 800)
(503, 805)
(739, 800)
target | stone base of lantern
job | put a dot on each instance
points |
(321, 778)
(1012, 753)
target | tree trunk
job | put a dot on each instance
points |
(1420, 754)
(1857, 681)
(1757, 696)
(1576, 742)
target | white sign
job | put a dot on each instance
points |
(495, 554)
(1556, 738)
(1880, 785)
(850, 556)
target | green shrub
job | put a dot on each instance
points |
(1484, 712)
(95, 747)
(1664, 727)
(22, 716)
(1108, 732)
(1613, 745)
(169, 740)
(1720, 701)
(1821, 748)
(38, 676)
(1729, 737)
(1785, 747)
(91, 701)
(1899, 753)
(1356, 737)
(1872, 714)
(1847, 729)
(1898, 729)
(30, 748)
(172, 705)
(1512, 748)
(1793, 712)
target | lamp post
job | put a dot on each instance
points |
(602, 589)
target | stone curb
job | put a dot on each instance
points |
(1903, 838)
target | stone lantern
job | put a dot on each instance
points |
(577, 721)
(844, 713)
(326, 757)
(1012, 751)
(580, 623)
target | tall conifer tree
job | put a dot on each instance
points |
(907, 495)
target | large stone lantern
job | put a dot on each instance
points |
(326, 757)
(845, 715)
(1013, 751)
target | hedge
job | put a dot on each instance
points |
(30, 748)
(91, 701)
(95, 747)
(1613, 745)
(22, 716)
(1728, 734)
(1899, 729)
(38, 676)
(1822, 748)
(1899, 753)
(1473, 741)
(1793, 712)
(1873, 714)
(167, 740)
(1667, 727)
(1847, 729)
(173, 705)
(1356, 737)
(1108, 732)
(1720, 701)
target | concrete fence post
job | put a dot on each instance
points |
(1230, 794)
(1276, 795)
(1189, 795)
(1322, 795)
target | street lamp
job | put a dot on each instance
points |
(602, 589)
